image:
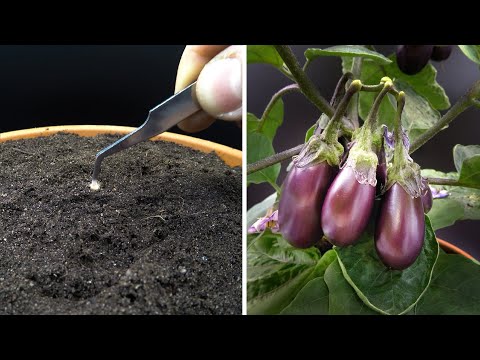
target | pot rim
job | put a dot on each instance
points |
(230, 156)
(449, 246)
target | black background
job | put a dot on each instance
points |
(456, 75)
(43, 85)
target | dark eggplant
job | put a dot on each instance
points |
(303, 192)
(411, 59)
(441, 53)
(347, 208)
(427, 197)
(400, 228)
(381, 170)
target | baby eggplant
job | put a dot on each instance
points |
(411, 59)
(400, 228)
(441, 53)
(347, 208)
(300, 206)
(427, 197)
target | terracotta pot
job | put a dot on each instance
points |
(231, 157)
(450, 248)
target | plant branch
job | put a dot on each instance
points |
(305, 84)
(272, 160)
(286, 90)
(353, 106)
(448, 182)
(460, 106)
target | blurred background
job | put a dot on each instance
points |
(456, 75)
(43, 85)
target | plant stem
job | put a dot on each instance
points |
(353, 106)
(286, 90)
(399, 151)
(305, 84)
(331, 131)
(448, 182)
(272, 160)
(306, 65)
(460, 106)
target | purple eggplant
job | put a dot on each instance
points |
(303, 192)
(400, 228)
(347, 208)
(381, 170)
(441, 53)
(411, 59)
(427, 196)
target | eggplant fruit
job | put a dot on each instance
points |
(300, 206)
(400, 228)
(347, 208)
(427, 197)
(441, 53)
(411, 59)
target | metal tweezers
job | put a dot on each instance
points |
(161, 118)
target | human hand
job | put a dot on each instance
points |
(218, 71)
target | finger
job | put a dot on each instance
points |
(219, 85)
(196, 122)
(194, 58)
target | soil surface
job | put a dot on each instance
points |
(162, 236)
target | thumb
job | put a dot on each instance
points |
(219, 85)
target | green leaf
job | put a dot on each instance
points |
(342, 298)
(347, 50)
(310, 132)
(454, 290)
(461, 204)
(388, 291)
(418, 116)
(259, 144)
(424, 95)
(423, 83)
(265, 54)
(271, 123)
(276, 272)
(467, 162)
(311, 300)
(472, 52)
(259, 210)
(259, 147)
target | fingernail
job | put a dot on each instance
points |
(219, 88)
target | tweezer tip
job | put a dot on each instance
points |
(95, 185)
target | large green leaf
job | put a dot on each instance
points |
(271, 123)
(259, 210)
(276, 272)
(388, 291)
(347, 50)
(258, 148)
(313, 298)
(461, 204)
(424, 95)
(472, 52)
(454, 290)
(418, 116)
(467, 162)
(260, 135)
(342, 299)
(423, 83)
(265, 54)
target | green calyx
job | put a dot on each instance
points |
(404, 170)
(363, 162)
(325, 146)
(317, 150)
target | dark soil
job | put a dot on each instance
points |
(162, 235)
